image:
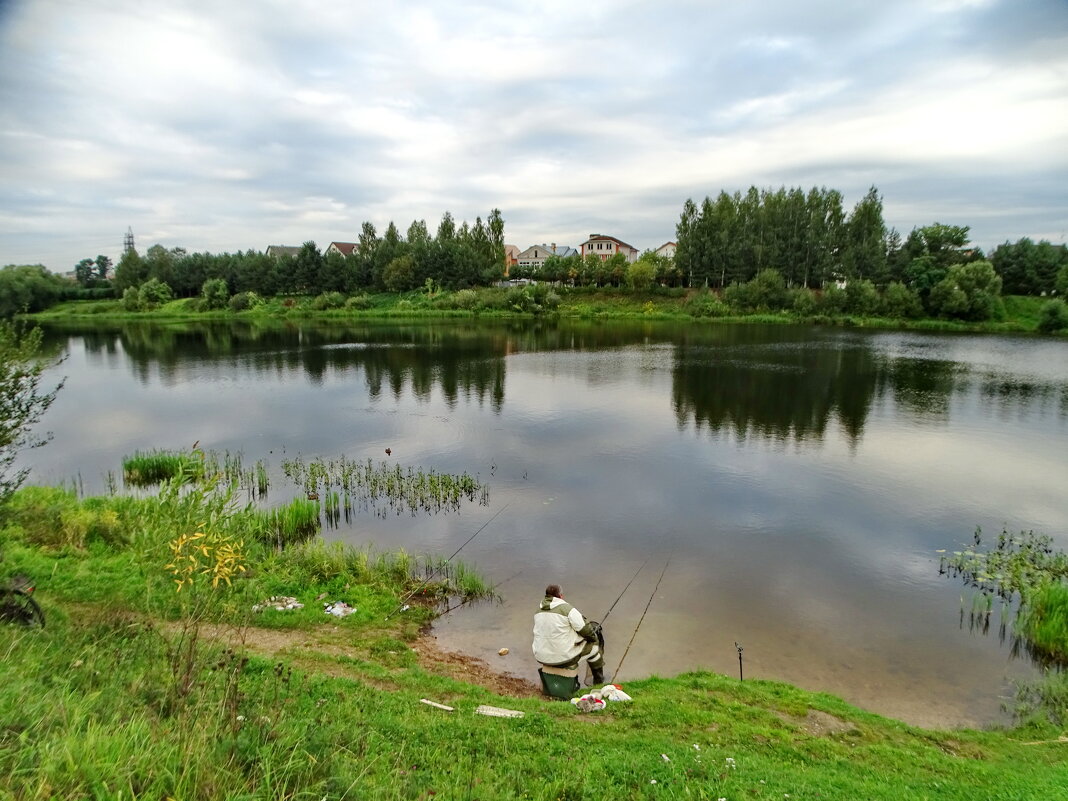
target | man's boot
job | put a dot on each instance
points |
(598, 674)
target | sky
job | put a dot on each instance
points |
(219, 126)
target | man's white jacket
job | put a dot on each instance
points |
(560, 632)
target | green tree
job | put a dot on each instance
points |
(131, 271)
(22, 401)
(1053, 317)
(154, 292)
(969, 291)
(216, 293)
(399, 275)
(84, 271)
(29, 288)
(641, 274)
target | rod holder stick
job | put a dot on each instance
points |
(736, 645)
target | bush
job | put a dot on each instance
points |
(705, 303)
(969, 292)
(215, 293)
(328, 300)
(640, 275)
(833, 301)
(900, 302)
(466, 299)
(243, 301)
(131, 300)
(154, 293)
(805, 303)
(1053, 317)
(358, 303)
(49, 517)
(532, 299)
(862, 297)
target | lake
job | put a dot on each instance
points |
(792, 485)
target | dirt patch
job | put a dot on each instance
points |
(819, 724)
(471, 670)
(297, 644)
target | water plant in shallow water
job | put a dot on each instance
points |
(295, 522)
(145, 469)
(385, 487)
(1021, 574)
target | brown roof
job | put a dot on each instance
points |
(611, 238)
(345, 248)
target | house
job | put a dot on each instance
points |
(667, 250)
(534, 256)
(282, 251)
(511, 255)
(605, 246)
(344, 248)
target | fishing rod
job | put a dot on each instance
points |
(616, 601)
(635, 634)
(427, 580)
(491, 589)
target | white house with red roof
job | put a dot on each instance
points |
(604, 246)
(667, 250)
(344, 248)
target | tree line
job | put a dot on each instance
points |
(456, 257)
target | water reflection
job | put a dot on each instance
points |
(773, 383)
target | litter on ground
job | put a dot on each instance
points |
(497, 712)
(338, 609)
(279, 602)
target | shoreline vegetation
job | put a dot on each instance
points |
(1022, 314)
(171, 667)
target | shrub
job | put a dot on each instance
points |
(215, 293)
(328, 300)
(50, 517)
(399, 275)
(154, 293)
(900, 302)
(532, 299)
(737, 296)
(1053, 317)
(131, 300)
(640, 275)
(358, 303)
(969, 292)
(805, 302)
(862, 297)
(243, 301)
(833, 300)
(466, 299)
(705, 303)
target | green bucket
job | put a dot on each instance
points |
(560, 686)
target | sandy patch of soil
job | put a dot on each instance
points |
(819, 724)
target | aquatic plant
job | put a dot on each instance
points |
(1028, 581)
(384, 487)
(144, 469)
(295, 522)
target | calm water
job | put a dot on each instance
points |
(799, 480)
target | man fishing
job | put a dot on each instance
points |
(563, 637)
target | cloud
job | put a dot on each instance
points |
(232, 127)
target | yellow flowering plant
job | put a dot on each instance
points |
(208, 554)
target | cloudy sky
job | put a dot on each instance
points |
(222, 126)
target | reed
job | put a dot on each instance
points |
(145, 469)
(297, 521)
(385, 488)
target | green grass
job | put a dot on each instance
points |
(1022, 313)
(135, 690)
(89, 710)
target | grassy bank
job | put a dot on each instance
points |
(139, 689)
(1022, 313)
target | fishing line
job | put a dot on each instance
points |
(427, 580)
(616, 601)
(491, 589)
(635, 634)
